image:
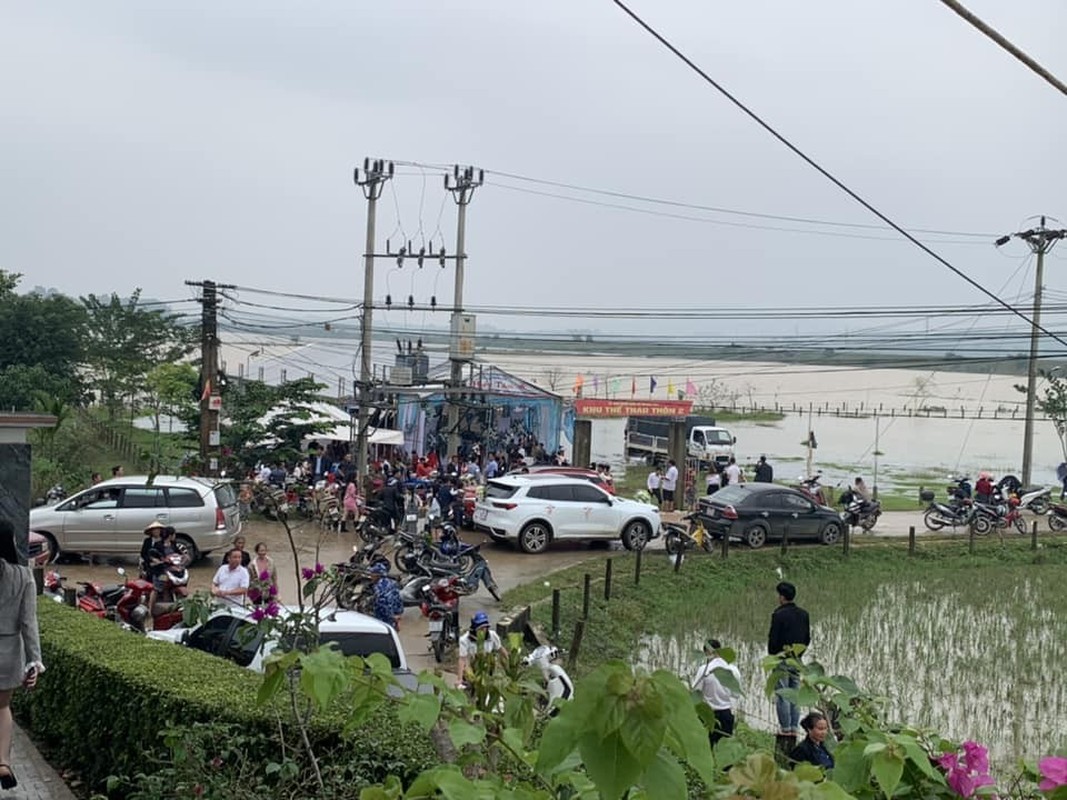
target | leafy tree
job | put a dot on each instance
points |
(126, 341)
(171, 391)
(44, 345)
(265, 423)
(1052, 402)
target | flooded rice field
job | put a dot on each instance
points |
(980, 658)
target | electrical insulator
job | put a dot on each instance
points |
(388, 300)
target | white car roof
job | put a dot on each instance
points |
(541, 478)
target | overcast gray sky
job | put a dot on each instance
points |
(143, 144)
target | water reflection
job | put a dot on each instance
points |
(964, 657)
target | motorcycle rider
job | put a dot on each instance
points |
(162, 597)
(151, 539)
(479, 640)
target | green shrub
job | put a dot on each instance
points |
(108, 694)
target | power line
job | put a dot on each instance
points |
(1003, 41)
(826, 173)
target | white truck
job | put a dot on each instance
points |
(648, 438)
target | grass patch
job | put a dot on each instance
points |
(720, 416)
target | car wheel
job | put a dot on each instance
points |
(830, 533)
(53, 547)
(1040, 505)
(184, 545)
(535, 537)
(755, 536)
(636, 535)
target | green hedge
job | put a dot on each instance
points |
(107, 694)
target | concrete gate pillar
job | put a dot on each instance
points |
(15, 500)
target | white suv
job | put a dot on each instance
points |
(535, 510)
(231, 633)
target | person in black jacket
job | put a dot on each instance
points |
(764, 471)
(789, 626)
(813, 749)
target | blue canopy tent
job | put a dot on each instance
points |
(496, 408)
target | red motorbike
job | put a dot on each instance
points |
(441, 607)
(134, 609)
(100, 601)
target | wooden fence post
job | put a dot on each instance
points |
(637, 568)
(970, 539)
(587, 580)
(1033, 536)
(725, 545)
(785, 540)
(555, 615)
(576, 643)
(607, 579)
(911, 540)
(847, 539)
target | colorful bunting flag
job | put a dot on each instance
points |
(670, 388)
(651, 384)
(690, 388)
(579, 381)
(633, 386)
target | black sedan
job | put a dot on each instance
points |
(757, 512)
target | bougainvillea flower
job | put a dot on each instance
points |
(264, 576)
(1054, 771)
(308, 573)
(319, 569)
(258, 613)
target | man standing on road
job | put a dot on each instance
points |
(790, 626)
(230, 583)
(764, 471)
(718, 697)
(668, 484)
(733, 473)
(479, 640)
(653, 483)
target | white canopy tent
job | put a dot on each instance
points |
(338, 426)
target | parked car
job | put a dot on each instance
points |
(231, 633)
(757, 513)
(40, 550)
(590, 475)
(536, 510)
(110, 518)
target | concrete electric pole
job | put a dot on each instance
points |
(372, 181)
(210, 405)
(1040, 240)
(461, 182)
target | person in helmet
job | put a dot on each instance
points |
(388, 605)
(479, 639)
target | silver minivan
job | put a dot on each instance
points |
(110, 518)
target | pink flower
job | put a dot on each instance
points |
(1054, 771)
(273, 609)
(273, 590)
(258, 613)
(264, 576)
(973, 773)
(308, 573)
(255, 595)
(319, 569)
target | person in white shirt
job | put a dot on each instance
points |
(733, 472)
(714, 479)
(230, 583)
(468, 644)
(720, 699)
(668, 485)
(653, 483)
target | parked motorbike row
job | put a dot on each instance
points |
(433, 575)
(859, 511)
(992, 506)
(129, 603)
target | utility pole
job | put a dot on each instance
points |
(372, 181)
(210, 399)
(461, 182)
(1040, 240)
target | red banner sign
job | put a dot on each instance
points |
(591, 407)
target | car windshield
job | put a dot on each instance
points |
(730, 495)
(719, 437)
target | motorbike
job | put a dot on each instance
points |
(859, 511)
(53, 586)
(481, 574)
(1057, 517)
(55, 495)
(134, 608)
(1010, 513)
(964, 512)
(558, 684)
(686, 535)
(376, 525)
(811, 487)
(1035, 499)
(354, 575)
(440, 606)
(448, 553)
(100, 601)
